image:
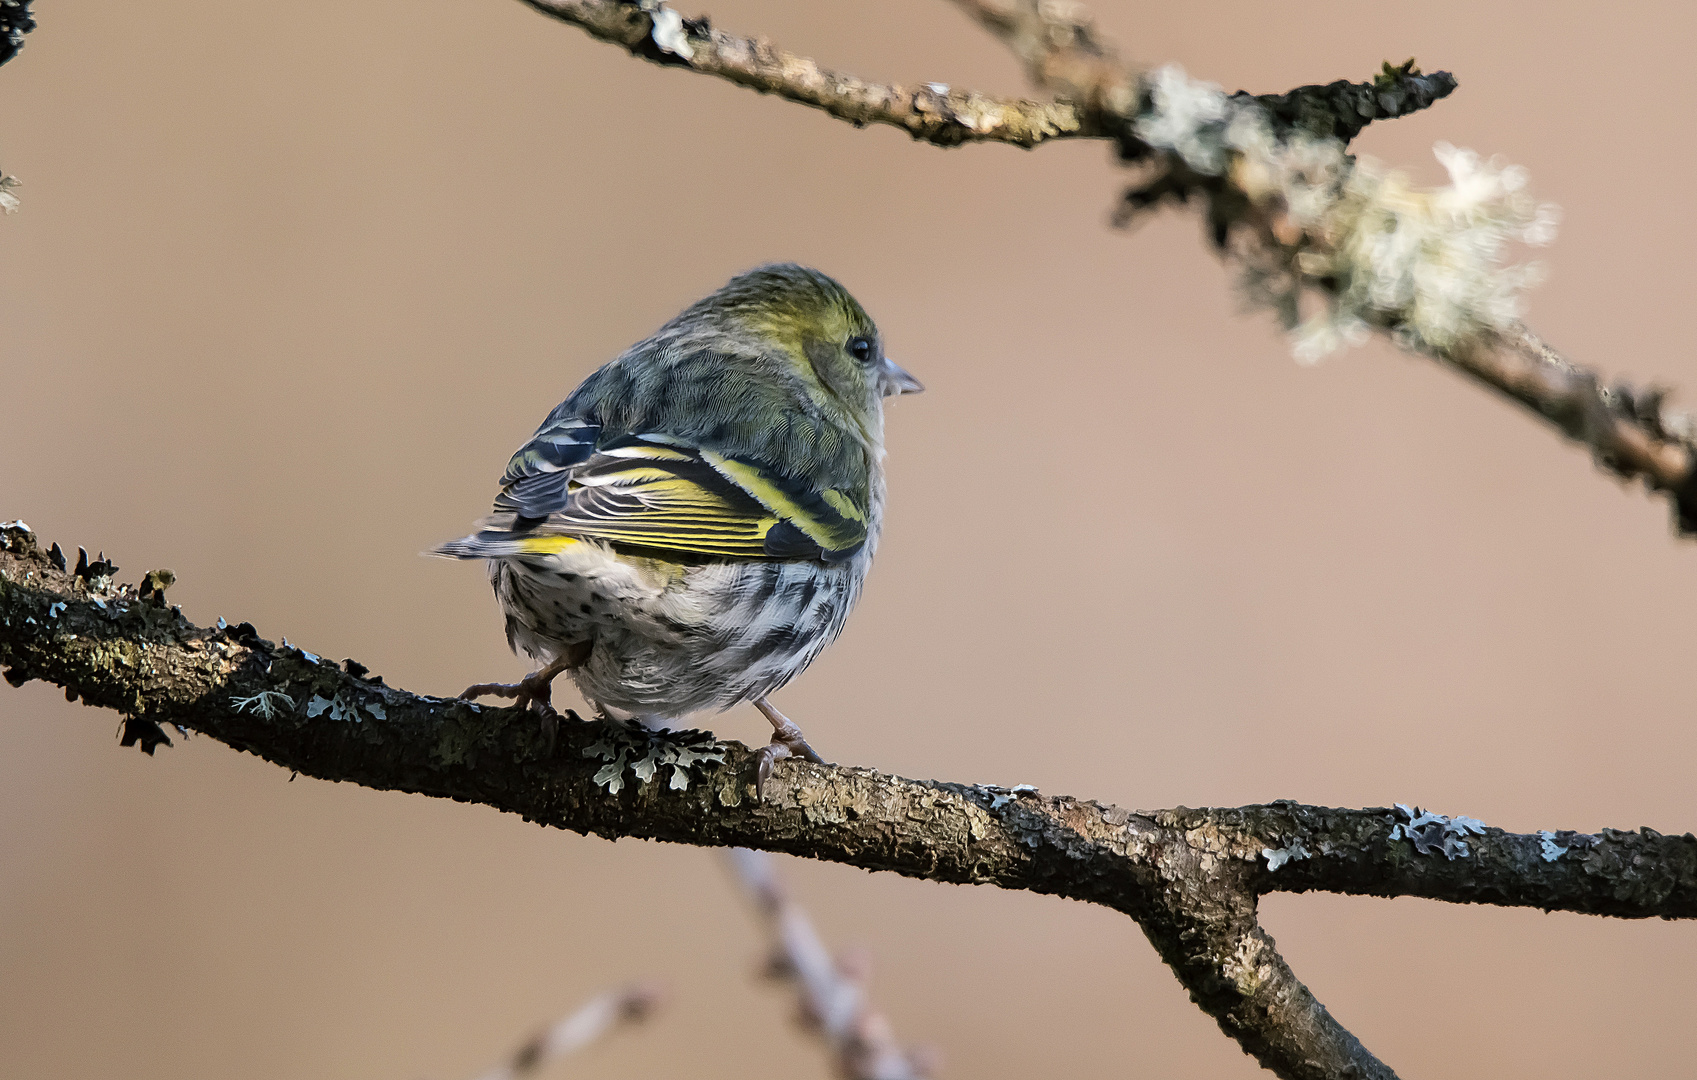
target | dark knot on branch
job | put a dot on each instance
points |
(1341, 109)
(15, 22)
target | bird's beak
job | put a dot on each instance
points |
(896, 380)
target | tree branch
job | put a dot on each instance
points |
(1191, 878)
(1626, 428)
(930, 112)
(1098, 94)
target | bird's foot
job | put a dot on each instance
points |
(535, 692)
(530, 691)
(787, 741)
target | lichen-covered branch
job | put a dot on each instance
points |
(1279, 191)
(1282, 196)
(1064, 53)
(1097, 95)
(1190, 878)
(1629, 430)
(1340, 249)
(1339, 110)
(832, 990)
(930, 112)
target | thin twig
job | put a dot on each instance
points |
(594, 1020)
(832, 991)
(930, 112)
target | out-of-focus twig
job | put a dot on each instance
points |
(832, 990)
(1309, 221)
(595, 1019)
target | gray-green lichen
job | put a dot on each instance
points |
(1431, 833)
(643, 753)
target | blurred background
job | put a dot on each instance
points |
(291, 281)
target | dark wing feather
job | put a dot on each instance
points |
(538, 476)
(658, 492)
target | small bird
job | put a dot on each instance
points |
(690, 528)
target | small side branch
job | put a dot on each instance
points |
(930, 112)
(1627, 429)
(1339, 110)
(832, 991)
(593, 1021)
(1190, 878)
(1063, 52)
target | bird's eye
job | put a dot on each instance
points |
(860, 349)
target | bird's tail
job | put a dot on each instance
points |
(495, 543)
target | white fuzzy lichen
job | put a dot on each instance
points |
(1547, 846)
(669, 33)
(1425, 265)
(264, 704)
(1189, 118)
(9, 202)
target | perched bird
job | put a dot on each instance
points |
(690, 528)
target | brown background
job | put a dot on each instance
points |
(292, 280)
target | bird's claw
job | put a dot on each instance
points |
(529, 692)
(787, 741)
(550, 729)
(784, 744)
(766, 757)
(534, 692)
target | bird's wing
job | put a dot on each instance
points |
(659, 492)
(537, 478)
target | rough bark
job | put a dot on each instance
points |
(1190, 877)
(930, 112)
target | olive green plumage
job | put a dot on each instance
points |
(690, 527)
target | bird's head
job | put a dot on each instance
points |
(808, 322)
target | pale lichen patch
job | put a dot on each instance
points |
(1426, 266)
(669, 33)
(645, 753)
(1431, 833)
(1277, 857)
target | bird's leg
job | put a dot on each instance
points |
(787, 741)
(536, 690)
